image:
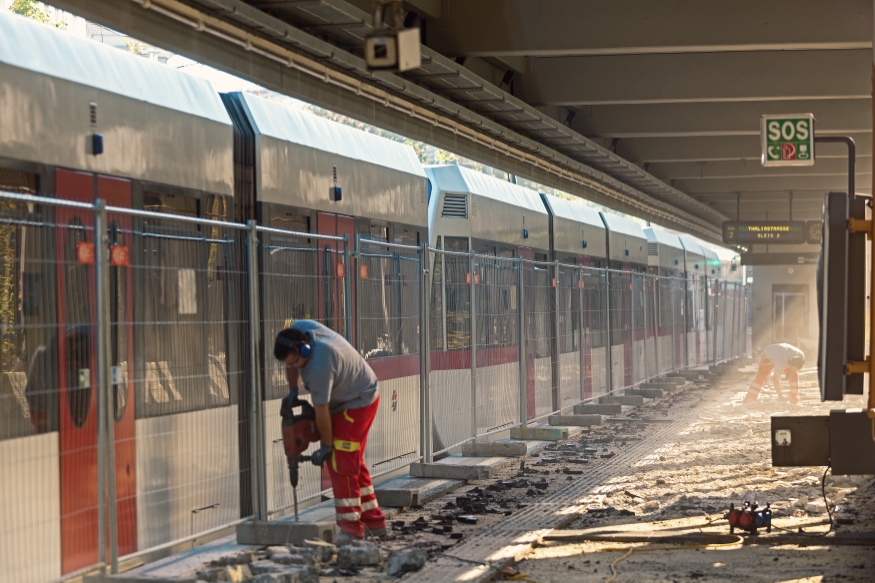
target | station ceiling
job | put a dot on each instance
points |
(652, 108)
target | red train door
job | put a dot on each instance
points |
(332, 292)
(529, 323)
(77, 403)
(117, 192)
(77, 379)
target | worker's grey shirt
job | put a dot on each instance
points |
(336, 374)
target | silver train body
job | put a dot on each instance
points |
(82, 121)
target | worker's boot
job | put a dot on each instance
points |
(794, 397)
(752, 394)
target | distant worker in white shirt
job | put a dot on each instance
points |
(782, 359)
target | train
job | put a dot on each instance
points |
(82, 121)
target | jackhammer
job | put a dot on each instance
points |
(299, 431)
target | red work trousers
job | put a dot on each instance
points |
(354, 498)
(765, 369)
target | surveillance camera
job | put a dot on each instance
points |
(391, 50)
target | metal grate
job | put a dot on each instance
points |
(455, 206)
(652, 249)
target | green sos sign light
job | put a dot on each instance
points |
(788, 140)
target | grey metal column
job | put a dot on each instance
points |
(473, 342)
(654, 299)
(106, 495)
(347, 289)
(256, 425)
(521, 308)
(425, 426)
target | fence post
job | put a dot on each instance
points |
(631, 365)
(106, 502)
(654, 301)
(521, 307)
(557, 343)
(347, 289)
(609, 356)
(358, 293)
(473, 342)
(425, 428)
(581, 320)
(256, 429)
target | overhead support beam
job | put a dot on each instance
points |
(239, 39)
(753, 168)
(596, 27)
(695, 187)
(700, 77)
(662, 120)
(698, 149)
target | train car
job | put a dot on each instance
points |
(627, 255)
(83, 121)
(470, 211)
(695, 295)
(717, 306)
(315, 176)
(578, 237)
(665, 256)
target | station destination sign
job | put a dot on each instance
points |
(764, 232)
(788, 140)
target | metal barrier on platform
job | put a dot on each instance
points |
(140, 396)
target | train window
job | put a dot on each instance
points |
(289, 221)
(28, 344)
(184, 279)
(18, 181)
(77, 304)
(378, 233)
(437, 298)
(406, 237)
(456, 244)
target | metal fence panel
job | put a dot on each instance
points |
(450, 374)
(388, 336)
(497, 374)
(596, 341)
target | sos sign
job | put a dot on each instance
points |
(788, 140)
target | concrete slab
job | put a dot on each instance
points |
(396, 497)
(422, 490)
(282, 532)
(658, 386)
(450, 471)
(126, 578)
(596, 409)
(575, 420)
(646, 393)
(632, 401)
(539, 433)
(494, 448)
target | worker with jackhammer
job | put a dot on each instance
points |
(343, 390)
(782, 359)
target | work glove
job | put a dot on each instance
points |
(320, 455)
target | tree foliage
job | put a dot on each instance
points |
(33, 10)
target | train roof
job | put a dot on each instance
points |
(455, 178)
(694, 255)
(712, 260)
(627, 241)
(664, 249)
(42, 49)
(498, 211)
(158, 124)
(276, 120)
(578, 229)
(299, 157)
